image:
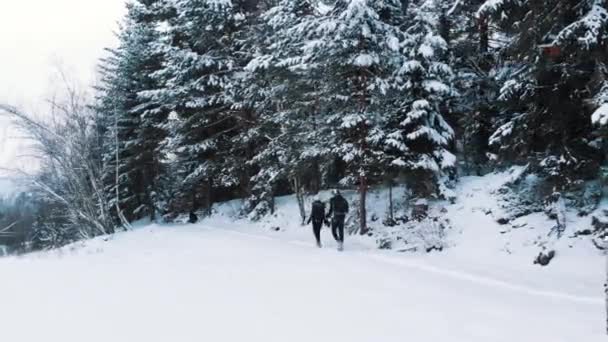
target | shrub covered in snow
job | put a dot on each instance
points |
(426, 235)
(529, 192)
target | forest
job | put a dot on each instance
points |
(205, 101)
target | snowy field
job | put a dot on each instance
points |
(226, 280)
(198, 283)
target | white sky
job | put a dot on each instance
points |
(36, 36)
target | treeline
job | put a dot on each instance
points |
(16, 219)
(210, 100)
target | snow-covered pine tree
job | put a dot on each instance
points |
(283, 92)
(196, 78)
(133, 129)
(153, 113)
(247, 99)
(359, 53)
(474, 62)
(418, 137)
(554, 49)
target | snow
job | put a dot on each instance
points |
(323, 8)
(429, 133)
(410, 67)
(436, 87)
(591, 25)
(426, 51)
(600, 116)
(200, 283)
(447, 159)
(393, 42)
(502, 131)
(490, 6)
(233, 280)
(365, 60)
(352, 120)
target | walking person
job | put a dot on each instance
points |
(317, 216)
(338, 206)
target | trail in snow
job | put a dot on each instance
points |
(463, 275)
(202, 284)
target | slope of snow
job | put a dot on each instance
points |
(478, 245)
(481, 246)
(198, 283)
(233, 280)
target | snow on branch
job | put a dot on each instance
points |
(600, 116)
(589, 31)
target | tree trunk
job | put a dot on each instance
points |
(209, 196)
(484, 38)
(362, 205)
(391, 215)
(150, 187)
(194, 204)
(445, 27)
(152, 213)
(316, 182)
(405, 4)
(121, 216)
(272, 202)
(300, 198)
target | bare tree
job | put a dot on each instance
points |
(66, 145)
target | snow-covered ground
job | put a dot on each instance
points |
(477, 244)
(200, 283)
(226, 280)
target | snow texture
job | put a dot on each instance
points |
(600, 116)
(223, 280)
(590, 29)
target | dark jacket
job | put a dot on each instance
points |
(193, 218)
(338, 206)
(317, 212)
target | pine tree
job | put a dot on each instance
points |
(282, 86)
(133, 124)
(196, 81)
(420, 138)
(359, 51)
(248, 98)
(554, 50)
(474, 62)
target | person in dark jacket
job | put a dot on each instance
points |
(193, 218)
(317, 216)
(338, 206)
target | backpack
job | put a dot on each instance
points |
(340, 205)
(318, 210)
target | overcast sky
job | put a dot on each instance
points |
(36, 35)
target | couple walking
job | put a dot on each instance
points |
(338, 208)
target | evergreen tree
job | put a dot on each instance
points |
(196, 81)
(248, 98)
(554, 49)
(475, 67)
(420, 138)
(359, 52)
(283, 89)
(133, 125)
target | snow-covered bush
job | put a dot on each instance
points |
(533, 192)
(426, 235)
(261, 209)
(520, 197)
